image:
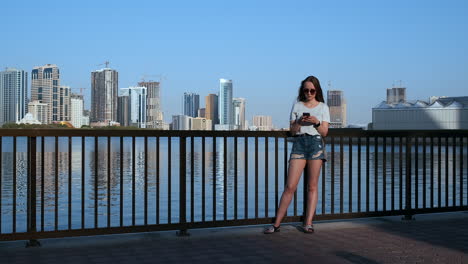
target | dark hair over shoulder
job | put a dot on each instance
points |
(318, 94)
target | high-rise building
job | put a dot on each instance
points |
(211, 108)
(154, 109)
(239, 113)
(396, 95)
(191, 104)
(13, 95)
(337, 105)
(123, 111)
(202, 112)
(40, 111)
(181, 122)
(226, 109)
(137, 97)
(76, 110)
(104, 95)
(263, 123)
(45, 88)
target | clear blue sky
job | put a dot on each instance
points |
(265, 47)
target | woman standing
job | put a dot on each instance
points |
(309, 121)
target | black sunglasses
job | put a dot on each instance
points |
(311, 91)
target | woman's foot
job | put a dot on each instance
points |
(309, 229)
(271, 229)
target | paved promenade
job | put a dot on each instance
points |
(432, 238)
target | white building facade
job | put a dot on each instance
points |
(138, 102)
(442, 113)
(239, 113)
(226, 109)
(76, 109)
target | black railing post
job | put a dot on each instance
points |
(31, 217)
(183, 187)
(408, 209)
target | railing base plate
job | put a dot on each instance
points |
(182, 233)
(33, 243)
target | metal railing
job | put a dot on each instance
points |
(55, 193)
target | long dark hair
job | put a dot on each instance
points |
(318, 93)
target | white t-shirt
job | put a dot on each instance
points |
(321, 112)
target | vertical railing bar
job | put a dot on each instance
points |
(235, 178)
(376, 174)
(183, 184)
(367, 174)
(56, 185)
(121, 181)
(350, 172)
(401, 173)
(384, 173)
(461, 170)
(266, 176)
(439, 174)
(14, 185)
(341, 174)
(416, 172)
(158, 182)
(203, 180)
(83, 147)
(133, 180)
(324, 174)
(446, 172)
(214, 179)
(256, 177)
(359, 175)
(454, 171)
(424, 172)
(408, 210)
(393, 172)
(285, 142)
(109, 164)
(1, 182)
(276, 175)
(96, 171)
(332, 175)
(246, 177)
(69, 183)
(32, 192)
(432, 172)
(146, 181)
(192, 179)
(169, 179)
(225, 198)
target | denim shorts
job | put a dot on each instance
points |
(308, 147)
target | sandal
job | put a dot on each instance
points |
(309, 229)
(271, 229)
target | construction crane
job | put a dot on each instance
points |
(105, 63)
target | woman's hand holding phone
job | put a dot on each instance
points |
(308, 120)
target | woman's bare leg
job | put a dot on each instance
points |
(296, 167)
(312, 189)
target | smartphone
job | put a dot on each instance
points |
(305, 114)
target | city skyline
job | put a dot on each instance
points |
(362, 48)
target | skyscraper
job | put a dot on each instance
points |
(226, 110)
(239, 113)
(104, 95)
(191, 104)
(13, 95)
(45, 88)
(211, 108)
(137, 100)
(63, 103)
(123, 111)
(154, 109)
(337, 105)
(76, 110)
